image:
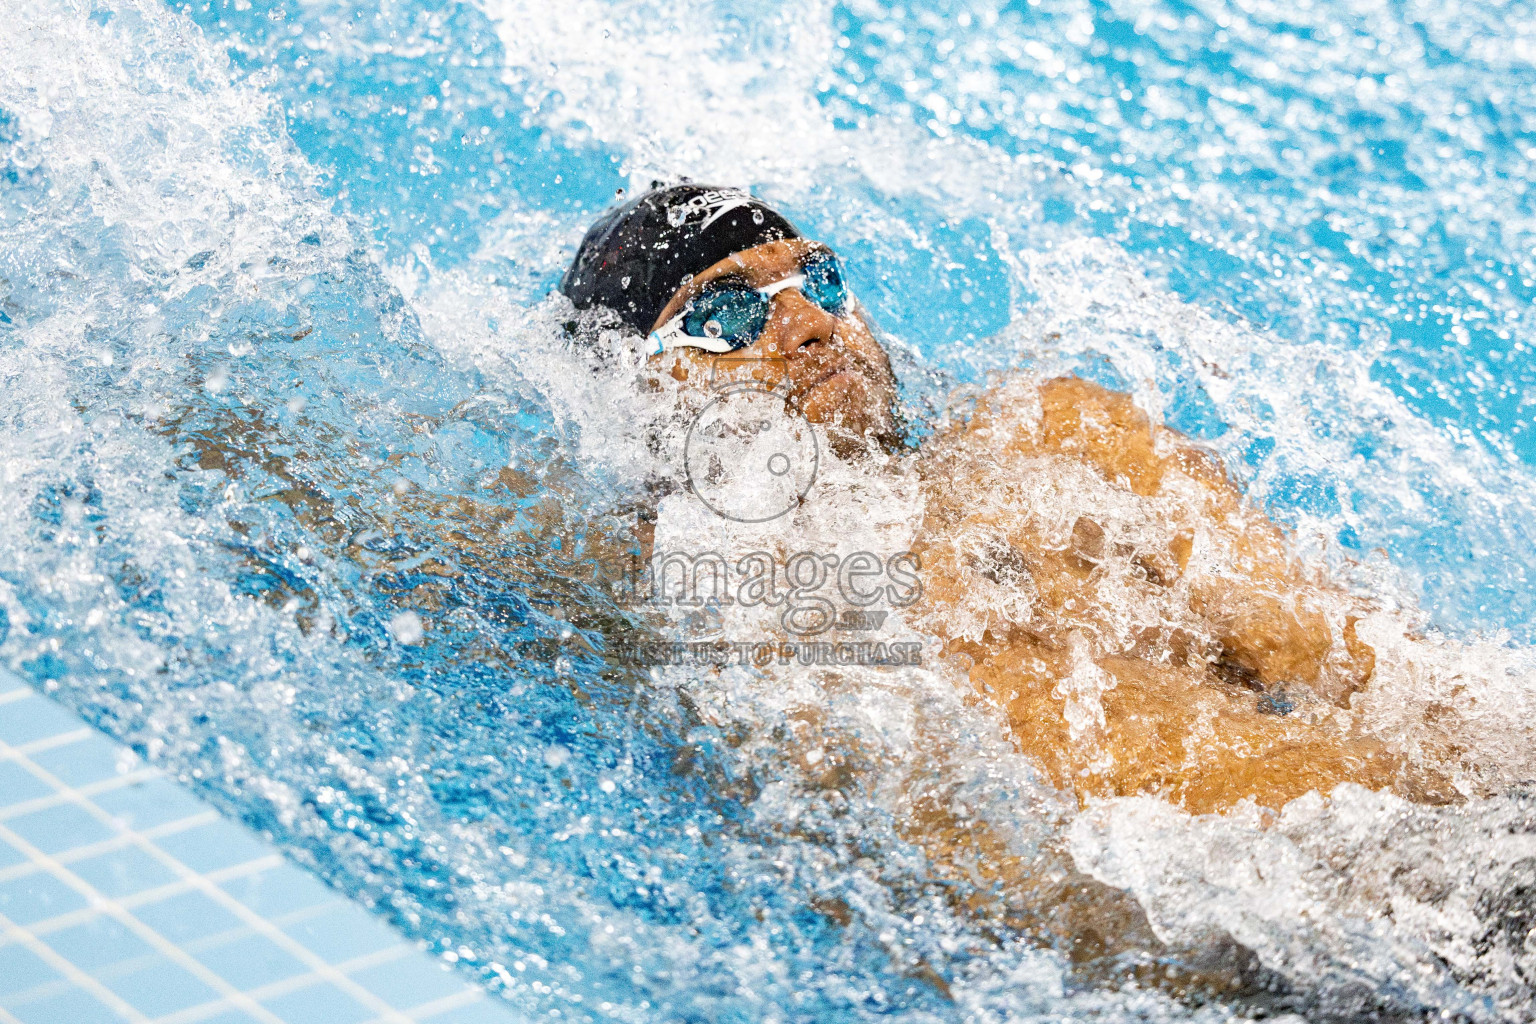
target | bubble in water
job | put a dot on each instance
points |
(406, 627)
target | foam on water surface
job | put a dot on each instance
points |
(307, 491)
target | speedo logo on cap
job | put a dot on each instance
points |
(710, 206)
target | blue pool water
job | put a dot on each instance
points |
(275, 336)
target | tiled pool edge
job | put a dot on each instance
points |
(123, 897)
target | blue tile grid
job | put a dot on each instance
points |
(124, 898)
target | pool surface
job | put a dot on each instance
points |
(305, 493)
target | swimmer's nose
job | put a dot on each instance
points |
(795, 322)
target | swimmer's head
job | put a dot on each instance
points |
(725, 288)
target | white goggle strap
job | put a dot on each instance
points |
(671, 334)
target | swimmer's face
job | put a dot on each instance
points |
(832, 368)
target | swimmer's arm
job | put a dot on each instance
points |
(1276, 623)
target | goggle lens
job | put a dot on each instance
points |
(824, 285)
(733, 315)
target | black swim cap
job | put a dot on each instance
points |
(637, 255)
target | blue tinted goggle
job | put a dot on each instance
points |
(732, 316)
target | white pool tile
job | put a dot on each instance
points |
(34, 718)
(87, 759)
(10, 857)
(123, 872)
(58, 829)
(215, 846)
(149, 803)
(250, 961)
(319, 1004)
(125, 898)
(36, 897)
(410, 983)
(485, 1011)
(17, 786)
(160, 987)
(279, 890)
(22, 970)
(68, 1006)
(97, 944)
(342, 932)
(187, 916)
(230, 1017)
